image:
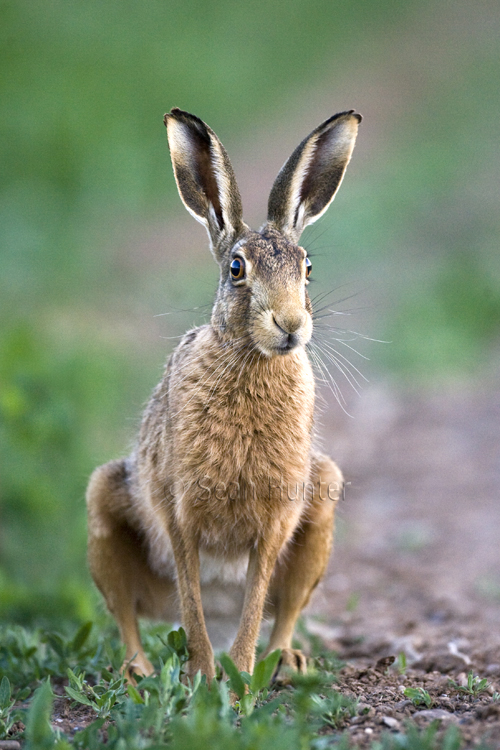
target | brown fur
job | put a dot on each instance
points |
(224, 477)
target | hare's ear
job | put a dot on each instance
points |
(308, 181)
(204, 176)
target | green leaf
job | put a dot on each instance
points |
(62, 745)
(38, 730)
(82, 635)
(79, 697)
(57, 643)
(177, 640)
(418, 696)
(23, 694)
(4, 692)
(236, 682)
(264, 671)
(247, 704)
(452, 740)
(74, 680)
(117, 657)
(196, 682)
(89, 737)
(151, 684)
(257, 681)
(135, 694)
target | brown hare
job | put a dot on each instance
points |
(224, 490)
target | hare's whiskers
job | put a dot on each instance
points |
(181, 310)
(323, 295)
(347, 361)
(343, 370)
(357, 334)
(326, 378)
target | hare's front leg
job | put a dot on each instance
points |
(187, 562)
(260, 567)
(299, 571)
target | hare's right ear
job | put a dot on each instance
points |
(308, 181)
(204, 176)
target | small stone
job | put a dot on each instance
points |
(401, 704)
(368, 730)
(447, 705)
(390, 722)
(365, 711)
(491, 710)
(435, 713)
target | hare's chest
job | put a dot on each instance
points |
(241, 450)
(242, 463)
(244, 434)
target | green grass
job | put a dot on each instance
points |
(81, 667)
(161, 711)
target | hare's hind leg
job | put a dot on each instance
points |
(304, 562)
(118, 562)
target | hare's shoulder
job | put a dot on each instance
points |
(156, 420)
(194, 340)
(188, 348)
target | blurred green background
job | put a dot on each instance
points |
(95, 243)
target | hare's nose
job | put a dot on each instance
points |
(290, 323)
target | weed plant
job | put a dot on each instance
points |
(46, 673)
(475, 685)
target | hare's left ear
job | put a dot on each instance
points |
(308, 181)
(204, 176)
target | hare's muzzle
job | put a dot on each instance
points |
(290, 331)
(289, 324)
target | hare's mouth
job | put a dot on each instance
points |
(272, 347)
(272, 338)
(291, 342)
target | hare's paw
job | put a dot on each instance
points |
(291, 660)
(203, 665)
(139, 666)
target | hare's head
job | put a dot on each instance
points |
(262, 296)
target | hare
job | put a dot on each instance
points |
(224, 490)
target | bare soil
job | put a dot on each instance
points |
(416, 568)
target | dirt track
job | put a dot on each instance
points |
(416, 568)
(417, 561)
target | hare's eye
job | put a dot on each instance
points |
(237, 268)
(309, 266)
